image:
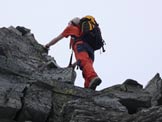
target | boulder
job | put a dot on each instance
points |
(34, 88)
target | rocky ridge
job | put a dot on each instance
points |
(33, 88)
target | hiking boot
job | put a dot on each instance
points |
(94, 83)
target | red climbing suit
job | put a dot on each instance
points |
(83, 53)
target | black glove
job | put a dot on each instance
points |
(46, 49)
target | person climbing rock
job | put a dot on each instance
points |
(84, 53)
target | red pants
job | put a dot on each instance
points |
(85, 63)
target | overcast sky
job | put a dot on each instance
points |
(132, 30)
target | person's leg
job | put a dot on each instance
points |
(91, 78)
(86, 65)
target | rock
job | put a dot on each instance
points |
(11, 92)
(37, 104)
(23, 97)
(131, 95)
(33, 88)
(153, 114)
(132, 83)
(23, 30)
(87, 111)
(154, 87)
(15, 30)
(25, 57)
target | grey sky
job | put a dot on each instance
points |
(132, 30)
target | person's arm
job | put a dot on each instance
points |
(54, 41)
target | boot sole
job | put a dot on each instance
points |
(95, 84)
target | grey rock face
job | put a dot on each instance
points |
(10, 98)
(37, 104)
(33, 88)
(154, 87)
(23, 56)
(23, 65)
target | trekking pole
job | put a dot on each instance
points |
(71, 58)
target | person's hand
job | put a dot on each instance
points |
(46, 48)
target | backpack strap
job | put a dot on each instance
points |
(103, 49)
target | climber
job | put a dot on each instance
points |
(84, 54)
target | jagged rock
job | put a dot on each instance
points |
(37, 104)
(15, 30)
(24, 57)
(153, 114)
(23, 65)
(23, 30)
(130, 94)
(33, 88)
(11, 91)
(154, 87)
(87, 111)
(63, 93)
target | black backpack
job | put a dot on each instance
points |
(91, 33)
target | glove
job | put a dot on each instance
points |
(46, 48)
